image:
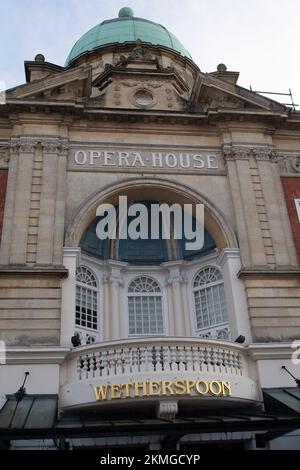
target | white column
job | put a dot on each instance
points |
(116, 314)
(178, 312)
(106, 311)
(238, 316)
(70, 261)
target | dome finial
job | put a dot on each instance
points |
(126, 11)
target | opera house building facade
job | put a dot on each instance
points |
(143, 343)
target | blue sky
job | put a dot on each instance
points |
(258, 38)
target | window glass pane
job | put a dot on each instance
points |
(209, 299)
(145, 307)
(86, 299)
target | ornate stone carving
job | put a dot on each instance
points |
(130, 83)
(167, 409)
(14, 147)
(140, 52)
(51, 146)
(27, 146)
(63, 149)
(4, 157)
(236, 153)
(296, 164)
(264, 154)
(142, 83)
(23, 146)
(243, 153)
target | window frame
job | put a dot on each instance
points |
(89, 330)
(197, 331)
(145, 294)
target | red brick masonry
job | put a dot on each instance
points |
(3, 184)
(291, 188)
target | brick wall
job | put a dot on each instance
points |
(291, 188)
(3, 184)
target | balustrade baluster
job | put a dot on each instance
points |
(85, 367)
(181, 359)
(166, 358)
(189, 358)
(142, 354)
(207, 358)
(118, 361)
(159, 359)
(200, 353)
(174, 363)
(98, 364)
(240, 363)
(134, 360)
(148, 359)
(105, 364)
(127, 361)
(79, 367)
(213, 358)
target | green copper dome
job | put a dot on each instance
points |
(125, 28)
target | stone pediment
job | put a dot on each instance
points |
(213, 93)
(70, 85)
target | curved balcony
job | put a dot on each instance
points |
(181, 369)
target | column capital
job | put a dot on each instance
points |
(265, 153)
(51, 146)
(236, 152)
(22, 145)
(114, 271)
(175, 271)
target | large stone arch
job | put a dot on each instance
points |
(149, 188)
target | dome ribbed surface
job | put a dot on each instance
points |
(122, 30)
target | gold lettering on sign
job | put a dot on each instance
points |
(155, 388)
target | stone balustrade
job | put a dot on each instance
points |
(145, 360)
(158, 356)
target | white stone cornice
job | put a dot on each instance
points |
(260, 351)
(228, 253)
(72, 252)
(36, 355)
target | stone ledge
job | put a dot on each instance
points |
(60, 271)
(286, 271)
(259, 351)
(37, 355)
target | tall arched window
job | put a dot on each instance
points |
(145, 311)
(86, 315)
(210, 304)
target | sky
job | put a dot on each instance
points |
(258, 38)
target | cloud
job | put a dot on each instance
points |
(259, 38)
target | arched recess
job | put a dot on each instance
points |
(149, 188)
